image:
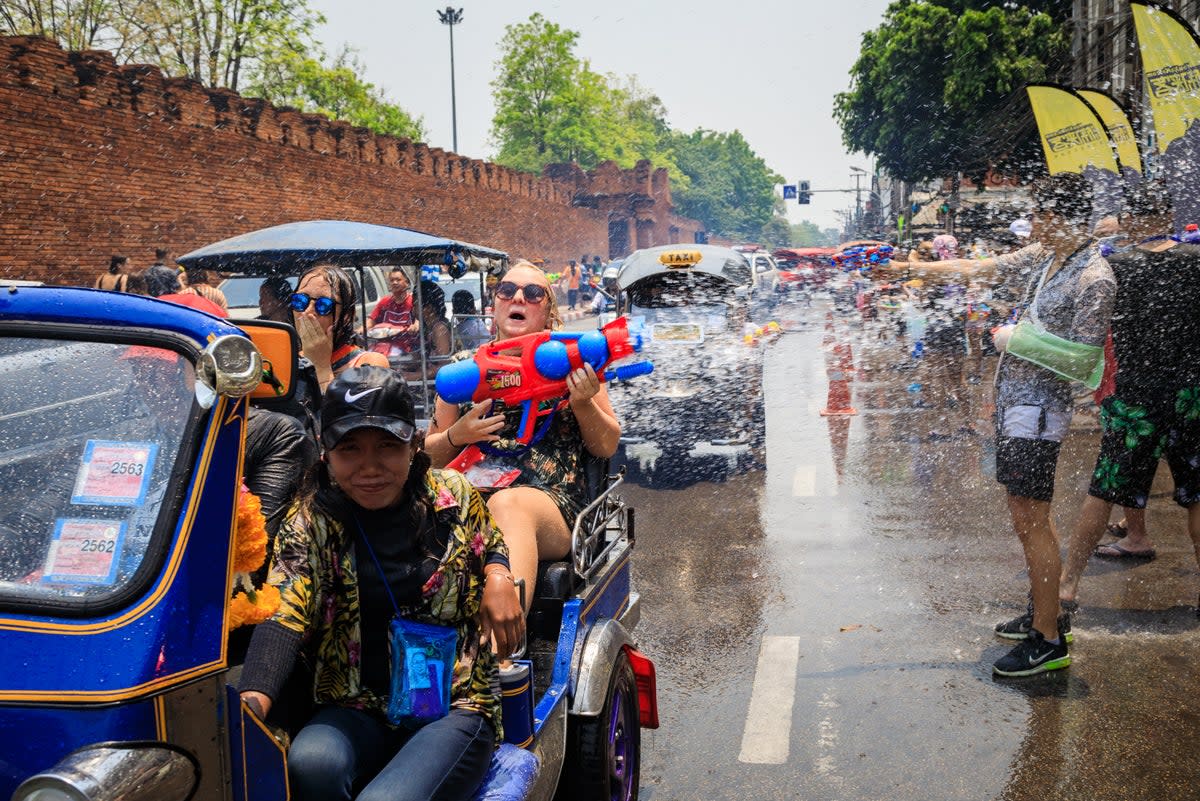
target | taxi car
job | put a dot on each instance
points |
(692, 306)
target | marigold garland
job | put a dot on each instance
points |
(250, 534)
(250, 604)
(248, 609)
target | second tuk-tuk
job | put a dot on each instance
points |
(693, 306)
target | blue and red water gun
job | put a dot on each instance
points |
(538, 369)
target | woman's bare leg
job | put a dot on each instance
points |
(533, 529)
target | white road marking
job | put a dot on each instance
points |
(804, 481)
(767, 736)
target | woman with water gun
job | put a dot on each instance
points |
(540, 486)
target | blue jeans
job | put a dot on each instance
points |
(572, 298)
(341, 750)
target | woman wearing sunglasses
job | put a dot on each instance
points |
(537, 510)
(323, 310)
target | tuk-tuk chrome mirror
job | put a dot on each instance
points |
(231, 365)
(111, 771)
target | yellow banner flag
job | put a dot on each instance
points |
(1120, 131)
(1073, 136)
(1171, 64)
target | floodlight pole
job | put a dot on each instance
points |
(452, 17)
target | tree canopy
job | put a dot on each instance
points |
(262, 48)
(933, 91)
(552, 107)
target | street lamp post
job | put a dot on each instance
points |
(452, 17)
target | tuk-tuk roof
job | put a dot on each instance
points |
(293, 246)
(725, 263)
(78, 306)
(801, 253)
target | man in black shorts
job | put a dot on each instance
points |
(1155, 411)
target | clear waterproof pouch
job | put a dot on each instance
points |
(1071, 360)
(422, 663)
(422, 671)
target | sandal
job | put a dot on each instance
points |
(1118, 530)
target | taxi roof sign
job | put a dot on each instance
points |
(680, 258)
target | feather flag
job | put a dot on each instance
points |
(1075, 140)
(1171, 65)
(1120, 132)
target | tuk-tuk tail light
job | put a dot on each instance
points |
(128, 771)
(647, 687)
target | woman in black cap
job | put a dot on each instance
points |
(376, 535)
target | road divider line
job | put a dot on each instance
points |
(766, 739)
(804, 481)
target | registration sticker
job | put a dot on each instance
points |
(677, 332)
(84, 551)
(114, 473)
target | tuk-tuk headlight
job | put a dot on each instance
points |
(108, 772)
(230, 365)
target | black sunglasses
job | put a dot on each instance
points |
(300, 301)
(533, 293)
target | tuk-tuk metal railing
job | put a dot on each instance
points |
(603, 515)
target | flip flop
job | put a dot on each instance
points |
(1117, 529)
(1123, 553)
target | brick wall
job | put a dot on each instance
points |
(97, 159)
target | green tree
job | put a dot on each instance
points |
(262, 48)
(730, 188)
(536, 93)
(551, 107)
(807, 234)
(336, 90)
(932, 92)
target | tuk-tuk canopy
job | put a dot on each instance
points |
(713, 260)
(292, 247)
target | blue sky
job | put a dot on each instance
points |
(768, 68)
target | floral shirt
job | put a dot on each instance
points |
(314, 569)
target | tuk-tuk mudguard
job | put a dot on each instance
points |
(601, 647)
(67, 682)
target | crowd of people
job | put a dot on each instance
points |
(1079, 284)
(373, 540)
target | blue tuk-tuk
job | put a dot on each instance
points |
(122, 426)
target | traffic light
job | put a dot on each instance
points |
(802, 195)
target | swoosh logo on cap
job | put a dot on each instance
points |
(352, 396)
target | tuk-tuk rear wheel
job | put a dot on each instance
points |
(607, 748)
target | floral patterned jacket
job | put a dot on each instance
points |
(314, 569)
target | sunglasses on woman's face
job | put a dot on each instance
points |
(300, 301)
(533, 293)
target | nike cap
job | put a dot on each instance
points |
(366, 397)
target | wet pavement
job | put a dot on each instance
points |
(823, 628)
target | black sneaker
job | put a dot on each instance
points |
(1019, 627)
(1034, 655)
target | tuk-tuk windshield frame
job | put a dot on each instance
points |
(99, 428)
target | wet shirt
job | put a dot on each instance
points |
(1156, 323)
(315, 569)
(1075, 303)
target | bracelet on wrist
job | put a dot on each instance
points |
(501, 573)
(450, 441)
